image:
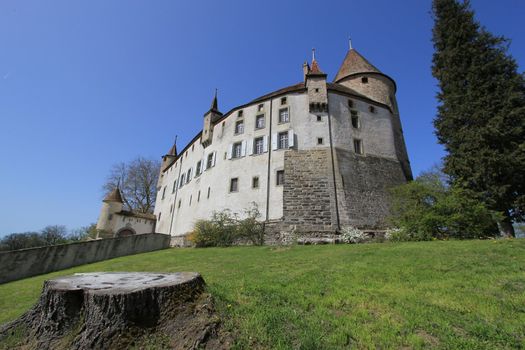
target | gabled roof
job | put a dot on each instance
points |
(114, 196)
(355, 63)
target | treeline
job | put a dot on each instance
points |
(49, 235)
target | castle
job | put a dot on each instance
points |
(313, 157)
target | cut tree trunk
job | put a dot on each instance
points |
(121, 310)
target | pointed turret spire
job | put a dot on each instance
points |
(114, 195)
(214, 103)
(354, 63)
(314, 69)
(173, 149)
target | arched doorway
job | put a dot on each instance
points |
(127, 231)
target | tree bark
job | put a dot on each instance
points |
(122, 310)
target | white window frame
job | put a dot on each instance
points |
(286, 115)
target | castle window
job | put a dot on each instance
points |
(192, 147)
(198, 169)
(237, 150)
(160, 215)
(178, 206)
(191, 197)
(199, 196)
(355, 120)
(283, 100)
(316, 90)
(110, 216)
(372, 109)
(280, 178)
(181, 182)
(174, 186)
(239, 127)
(234, 184)
(282, 140)
(364, 80)
(209, 161)
(239, 114)
(259, 121)
(319, 118)
(260, 107)
(358, 146)
(258, 145)
(319, 140)
(189, 176)
(255, 182)
(171, 208)
(284, 116)
(164, 192)
(208, 195)
(350, 104)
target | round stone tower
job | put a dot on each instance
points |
(111, 204)
(363, 77)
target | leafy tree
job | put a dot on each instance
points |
(54, 234)
(83, 233)
(481, 112)
(15, 241)
(138, 183)
(428, 208)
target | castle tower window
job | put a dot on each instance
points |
(198, 168)
(316, 89)
(358, 146)
(355, 120)
(209, 161)
(239, 127)
(239, 114)
(234, 184)
(189, 176)
(237, 150)
(199, 196)
(259, 122)
(164, 192)
(319, 118)
(180, 202)
(319, 140)
(255, 182)
(372, 109)
(282, 140)
(171, 208)
(181, 182)
(280, 178)
(260, 107)
(174, 186)
(350, 104)
(191, 197)
(258, 145)
(160, 215)
(208, 195)
(283, 101)
(364, 80)
(284, 116)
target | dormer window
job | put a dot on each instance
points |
(239, 127)
(364, 80)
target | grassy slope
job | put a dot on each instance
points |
(461, 295)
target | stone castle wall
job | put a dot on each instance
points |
(366, 181)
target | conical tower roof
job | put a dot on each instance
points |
(173, 150)
(354, 63)
(114, 196)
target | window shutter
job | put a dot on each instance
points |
(265, 144)
(290, 138)
(204, 163)
(250, 147)
(274, 141)
(230, 151)
(243, 148)
(214, 158)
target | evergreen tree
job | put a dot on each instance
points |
(481, 112)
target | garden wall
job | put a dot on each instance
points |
(24, 263)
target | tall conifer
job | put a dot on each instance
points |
(481, 112)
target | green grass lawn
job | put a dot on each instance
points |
(454, 295)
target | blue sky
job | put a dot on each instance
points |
(86, 84)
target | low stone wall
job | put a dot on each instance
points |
(24, 263)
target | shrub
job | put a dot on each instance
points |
(353, 235)
(225, 228)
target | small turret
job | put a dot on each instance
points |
(210, 118)
(112, 204)
(315, 81)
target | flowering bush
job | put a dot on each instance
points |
(353, 235)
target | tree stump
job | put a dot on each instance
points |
(118, 310)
